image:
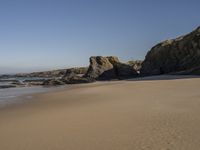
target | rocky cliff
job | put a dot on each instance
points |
(178, 55)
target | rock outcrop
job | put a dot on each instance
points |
(54, 73)
(34, 82)
(136, 64)
(53, 82)
(77, 80)
(7, 86)
(177, 55)
(107, 68)
(72, 76)
(100, 68)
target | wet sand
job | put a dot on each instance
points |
(151, 114)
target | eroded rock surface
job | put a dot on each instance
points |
(106, 68)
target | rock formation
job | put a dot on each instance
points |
(106, 68)
(136, 64)
(54, 73)
(177, 55)
(7, 86)
(77, 80)
(72, 76)
(100, 68)
(53, 82)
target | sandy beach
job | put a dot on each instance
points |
(152, 114)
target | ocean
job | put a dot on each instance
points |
(11, 95)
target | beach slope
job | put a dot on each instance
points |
(151, 114)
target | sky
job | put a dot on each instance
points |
(40, 35)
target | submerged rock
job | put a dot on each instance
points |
(18, 83)
(34, 82)
(177, 55)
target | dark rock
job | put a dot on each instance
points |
(75, 76)
(70, 73)
(193, 71)
(53, 82)
(54, 73)
(175, 55)
(8, 80)
(113, 60)
(122, 70)
(107, 68)
(7, 86)
(78, 70)
(34, 82)
(100, 68)
(137, 64)
(125, 71)
(77, 80)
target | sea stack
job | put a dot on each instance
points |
(107, 68)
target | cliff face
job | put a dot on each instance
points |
(177, 55)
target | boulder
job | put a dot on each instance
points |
(177, 55)
(100, 68)
(107, 68)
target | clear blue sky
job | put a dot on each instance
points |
(50, 34)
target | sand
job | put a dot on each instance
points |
(120, 115)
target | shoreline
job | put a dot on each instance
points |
(28, 98)
(31, 97)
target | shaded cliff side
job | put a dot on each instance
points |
(177, 55)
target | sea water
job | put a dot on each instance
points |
(10, 95)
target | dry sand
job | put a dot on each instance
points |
(121, 115)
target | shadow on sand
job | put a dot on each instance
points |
(164, 77)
